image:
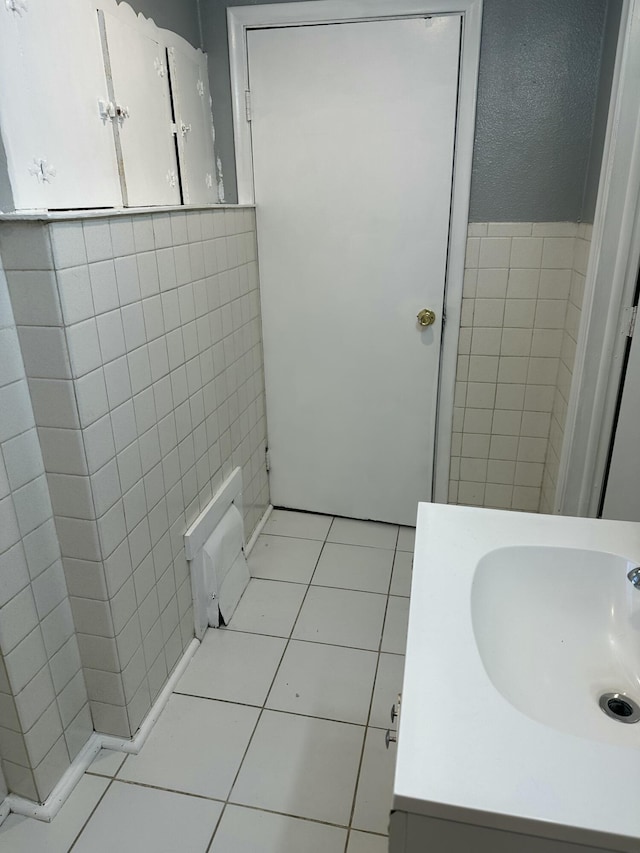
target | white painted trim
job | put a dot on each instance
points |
(462, 163)
(135, 744)
(242, 18)
(49, 809)
(5, 809)
(254, 536)
(611, 274)
(103, 212)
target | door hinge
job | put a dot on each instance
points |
(630, 315)
(267, 459)
(247, 104)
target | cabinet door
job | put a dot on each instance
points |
(137, 68)
(60, 153)
(191, 102)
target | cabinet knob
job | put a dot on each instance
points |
(390, 737)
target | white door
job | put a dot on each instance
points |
(622, 495)
(353, 133)
(137, 67)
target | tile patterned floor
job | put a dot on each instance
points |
(273, 741)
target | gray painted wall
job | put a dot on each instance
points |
(607, 65)
(179, 16)
(538, 88)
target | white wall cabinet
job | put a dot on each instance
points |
(59, 153)
(143, 125)
(86, 110)
(192, 106)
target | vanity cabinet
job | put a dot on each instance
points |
(517, 626)
(100, 108)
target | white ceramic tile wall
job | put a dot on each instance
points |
(144, 358)
(565, 370)
(44, 711)
(520, 294)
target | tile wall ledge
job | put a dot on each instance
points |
(107, 212)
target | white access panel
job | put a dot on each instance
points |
(137, 66)
(622, 496)
(353, 135)
(194, 125)
(60, 153)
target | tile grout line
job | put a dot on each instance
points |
(366, 726)
(263, 708)
(92, 812)
(225, 802)
(366, 730)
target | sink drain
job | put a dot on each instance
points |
(620, 707)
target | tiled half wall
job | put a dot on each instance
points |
(141, 341)
(44, 711)
(520, 314)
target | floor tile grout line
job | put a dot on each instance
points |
(364, 743)
(288, 639)
(136, 783)
(327, 586)
(324, 642)
(226, 802)
(91, 814)
(216, 827)
(263, 708)
(304, 597)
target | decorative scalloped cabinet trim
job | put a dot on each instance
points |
(128, 15)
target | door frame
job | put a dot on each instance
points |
(609, 289)
(240, 19)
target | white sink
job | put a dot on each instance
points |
(556, 629)
(518, 623)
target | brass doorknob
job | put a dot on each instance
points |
(426, 317)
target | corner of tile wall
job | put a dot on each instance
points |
(520, 313)
(144, 356)
(565, 372)
(44, 712)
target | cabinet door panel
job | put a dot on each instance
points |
(138, 71)
(60, 153)
(191, 102)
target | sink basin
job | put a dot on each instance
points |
(556, 628)
(518, 623)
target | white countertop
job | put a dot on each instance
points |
(464, 752)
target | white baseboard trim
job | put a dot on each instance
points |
(135, 744)
(5, 810)
(49, 809)
(254, 536)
